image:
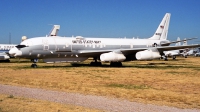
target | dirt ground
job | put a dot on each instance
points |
(172, 83)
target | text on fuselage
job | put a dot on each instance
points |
(86, 41)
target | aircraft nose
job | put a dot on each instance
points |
(15, 52)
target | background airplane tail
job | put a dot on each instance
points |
(162, 30)
(55, 30)
(185, 42)
(179, 43)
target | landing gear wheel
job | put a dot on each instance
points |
(5, 60)
(95, 62)
(174, 57)
(166, 58)
(115, 64)
(34, 65)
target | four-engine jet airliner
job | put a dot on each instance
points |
(113, 50)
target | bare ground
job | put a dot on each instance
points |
(91, 101)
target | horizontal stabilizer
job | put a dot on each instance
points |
(164, 44)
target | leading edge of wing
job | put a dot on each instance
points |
(129, 51)
(134, 50)
(124, 51)
(163, 44)
(168, 48)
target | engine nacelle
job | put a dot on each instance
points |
(4, 57)
(112, 57)
(147, 55)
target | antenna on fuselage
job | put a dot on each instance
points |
(9, 38)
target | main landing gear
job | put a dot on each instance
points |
(34, 65)
(174, 57)
(95, 62)
(5, 60)
(164, 58)
(116, 64)
(185, 56)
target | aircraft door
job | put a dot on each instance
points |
(45, 44)
(29, 44)
(55, 45)
(68, 45)
(131, 45)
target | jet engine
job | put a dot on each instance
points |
(4, 57)
(147, 55)
(112, 57)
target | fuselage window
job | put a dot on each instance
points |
(46, 47)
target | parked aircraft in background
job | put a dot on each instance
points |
(54, 30)
(173, 53)
(113, 50)
(188, 51)
(198, 52)
(191, 52)
(183, 52)
(4, 48)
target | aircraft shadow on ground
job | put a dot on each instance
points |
(148, 65)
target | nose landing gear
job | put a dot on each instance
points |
(34, 65)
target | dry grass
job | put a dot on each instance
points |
(9, 103)
(173, 83)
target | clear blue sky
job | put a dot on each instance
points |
(97, 18)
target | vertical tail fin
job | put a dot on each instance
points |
(55, 30)
(185, 42)
(162, 30)
(179, 43)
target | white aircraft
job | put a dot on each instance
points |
(113, 50)
(4, 49)
(173, 53)
(188, 51)
(54, 30)
(198, 52)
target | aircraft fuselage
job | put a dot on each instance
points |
(69, 47)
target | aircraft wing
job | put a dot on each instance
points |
(159, 48)
(164, 44)
(168, 48)
(133, 50)
(99, 52)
